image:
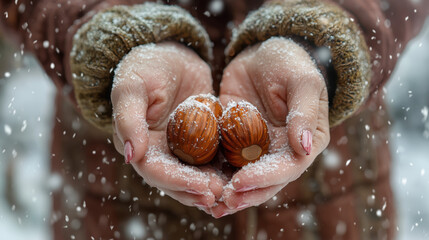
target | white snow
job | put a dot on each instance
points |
(7, 129)
(26, 95)
(424, 112)
(216, 7)
(408, 88)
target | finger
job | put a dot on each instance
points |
(322, 135)
(116, 141)
(119, 146)
(203, 202)
(235, 202)
(221, 210)
(216, 182)
(242, 200)
(236, 84)
(302, 118)
(272, 169)
(129, 113)
(160, 169)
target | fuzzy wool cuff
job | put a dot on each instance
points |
(100, 44)
(323, 24)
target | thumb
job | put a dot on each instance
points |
(130, 126)
(302, 119)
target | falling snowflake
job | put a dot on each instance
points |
(425, 112)
(7, 129)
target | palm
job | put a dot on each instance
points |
(149, 84)
(161, 168)
(280, 79)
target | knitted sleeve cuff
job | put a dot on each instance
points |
(100, 44)
(323, 24)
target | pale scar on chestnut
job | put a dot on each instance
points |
(244, 134)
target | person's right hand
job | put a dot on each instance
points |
(279, 77)
(148, 85)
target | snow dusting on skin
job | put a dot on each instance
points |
(287, 54)
(267, 165)
(144, 54)
(143, 126)
(229, 185)
(120, 75)
(228, 190)
(121, 107)
(292, 114)
(122, 110)
(270, 162)
(174, 168)
(278, 137)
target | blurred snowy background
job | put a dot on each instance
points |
(26, 112)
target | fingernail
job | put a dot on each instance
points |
(247, 188)
(306, 141)
(128, 152)
(192, 191)
(243, 206)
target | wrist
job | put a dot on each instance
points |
(321, 24)
(100, 44)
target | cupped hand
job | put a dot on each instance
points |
(281, 80)
(149, 83)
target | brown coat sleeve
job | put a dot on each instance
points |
(46, 28)
(387, 25)
(80, 42)
(100, 44)
(320, 24)
(365, 37)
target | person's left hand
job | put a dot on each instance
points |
(281, 80)
(149, 84)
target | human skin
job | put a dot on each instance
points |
(281, 80)
(277, 76)
(148, 85)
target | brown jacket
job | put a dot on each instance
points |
(344, 195)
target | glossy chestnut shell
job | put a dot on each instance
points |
(244, 134)
(193, 131)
